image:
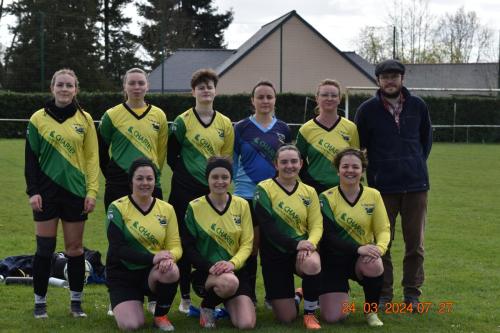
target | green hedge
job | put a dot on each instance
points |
(289, 108)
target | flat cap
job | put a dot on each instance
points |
(389, 66)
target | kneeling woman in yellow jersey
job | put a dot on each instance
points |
(291, 226)
(356, 235)
(217, 239)
(144, 245)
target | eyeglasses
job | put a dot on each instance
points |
(326, 95)
(389, 77)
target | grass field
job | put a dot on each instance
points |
(462, 254)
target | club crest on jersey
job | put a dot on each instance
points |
(156, 125)
(173, 127)
(237, 219)
(306, 201)
(345, 136)
(162, 220)
(110, 216)
(220, 132)
(79, 129)
(369, 208)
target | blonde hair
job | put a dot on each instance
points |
(130, 71)
(71, 73)
(63, 71)
(329, 82)
(286, 147)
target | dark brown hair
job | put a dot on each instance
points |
(350, 151)
(204, 75)
(263, 83)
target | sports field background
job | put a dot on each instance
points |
(462, 254)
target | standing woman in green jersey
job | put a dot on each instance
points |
(61, 173)
(196, 135)
(290, 229)
(322, 137)
(144, 245)
(218, 240)
(356, 235)
(128, 131)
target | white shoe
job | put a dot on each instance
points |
(373, 320)
(184, 305)
(110, 311)
(151, 307)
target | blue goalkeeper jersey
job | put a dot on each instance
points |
(254, 150)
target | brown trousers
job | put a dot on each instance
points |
(413, 208)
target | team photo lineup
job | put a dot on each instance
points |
(319, 208)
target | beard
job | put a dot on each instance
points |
(390, 95)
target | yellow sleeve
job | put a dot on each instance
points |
(173, 241)
(246, 238)
(91, 152)
(314, 220)
(355, 137)
(381, 225)
(227, 149)
(162, 140)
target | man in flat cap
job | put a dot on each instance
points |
(395, 129)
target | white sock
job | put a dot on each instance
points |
(40, 299)
(310, 306)
(76, 295)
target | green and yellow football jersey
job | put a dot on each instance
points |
(363, 222)
(226, 235)
(66, 151)
(291, 216)
(318, 146)
(130, 136)
(198, 142)
(145, 232)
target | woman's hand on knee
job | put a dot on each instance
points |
(221, 267)
(162, 255)
(369, 251)
(305, 245)
(165, 265)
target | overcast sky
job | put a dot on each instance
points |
(338, 20)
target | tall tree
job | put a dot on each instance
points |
(423, 38)
(373, 42)
(173, 24)
(462, 36)
(119, 45)
(50, 35)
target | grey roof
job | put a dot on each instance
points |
(180, 66)
(475, 75)
(478, 75)
(367, 67)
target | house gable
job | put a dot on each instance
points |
(293, 55)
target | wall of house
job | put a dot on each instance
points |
(262, 63)
(307, 59)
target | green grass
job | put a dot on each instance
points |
(462, 248)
